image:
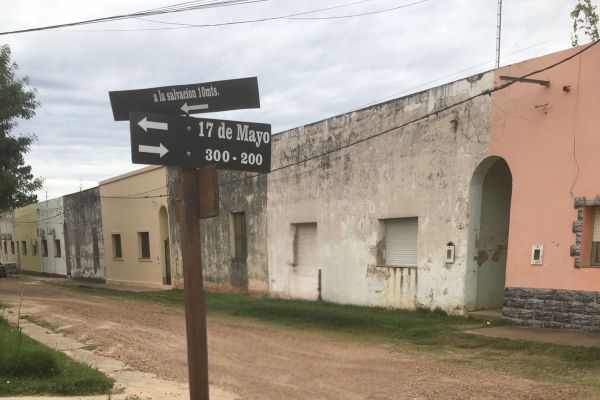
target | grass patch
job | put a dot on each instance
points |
(91, 347)
(435, 332)
(39, 322)
(29, 368)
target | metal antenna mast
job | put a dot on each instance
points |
(498, 33)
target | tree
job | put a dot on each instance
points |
(17, 100)
(585, 18)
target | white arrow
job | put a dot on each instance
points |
(145, 124)
(186, 109)
(162, 150)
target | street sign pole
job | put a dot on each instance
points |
(195, 314)
(159, 135)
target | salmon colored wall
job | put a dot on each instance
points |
(550, 139)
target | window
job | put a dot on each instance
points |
(595, 257)
(95, 249)
(305, 247)
(144, 244)
(12, 247)
(5, 247)
(57, 252)
(116, 242)
(44, 248)
(238, 236)
(23, 247)
(401, 242)
(34, 245)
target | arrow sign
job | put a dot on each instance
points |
(187, 109)
(160, 149)
(145, 125)
(233, 94)
(197, 142)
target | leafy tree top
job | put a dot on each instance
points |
(17, 101)
(585, 18)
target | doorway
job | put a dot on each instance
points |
(489, 217)
(164, 241)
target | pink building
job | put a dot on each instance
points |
(545, 141)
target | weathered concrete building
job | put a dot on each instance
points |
(8, 248)
(135, 228)
(372, 223)
(84, 242)
(26, 235)
(234, 244)
(50, 236)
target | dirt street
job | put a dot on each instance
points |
(259, 361)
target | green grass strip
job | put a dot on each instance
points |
(31, 368)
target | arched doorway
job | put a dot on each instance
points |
(164, 244)
(489, 216)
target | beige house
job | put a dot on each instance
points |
(135, 225)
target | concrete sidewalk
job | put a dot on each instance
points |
(129, 382)
(83, 283)
(554, 336)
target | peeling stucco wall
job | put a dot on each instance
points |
(7, 235)
(238, 192)
(422, 170)
(50, 228)
(83, 221)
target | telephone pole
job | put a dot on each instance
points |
(498, 33)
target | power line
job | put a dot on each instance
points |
(190, 26)
(290, 17)
(181, 7)
(423, 117)
(361, 14)
(396, 94)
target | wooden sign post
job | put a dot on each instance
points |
(171, 139)
(195, 314)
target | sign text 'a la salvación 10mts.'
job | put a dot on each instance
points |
(232, 94)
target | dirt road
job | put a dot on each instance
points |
(259, 361)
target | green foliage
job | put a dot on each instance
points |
(17, 101)
(585, 18)
(28, 367)
(28, 363)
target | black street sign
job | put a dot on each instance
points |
(233, 94)
(163, 139)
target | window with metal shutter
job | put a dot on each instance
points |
(595, 258)
(306, 245)
(401, 242)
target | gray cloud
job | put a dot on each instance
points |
(307, 70)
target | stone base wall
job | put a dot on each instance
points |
(553, 308)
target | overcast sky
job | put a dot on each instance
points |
(307, 70)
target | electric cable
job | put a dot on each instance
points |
(423, 117)
(188, 26)
(164, 10)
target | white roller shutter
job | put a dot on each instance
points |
(306, 246)
(401, 242)
(304, 276)
(596, 235)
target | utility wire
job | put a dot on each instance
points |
(423, 117)
(188, 6)
(396, 94)
(189, 26)
(360, 14)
